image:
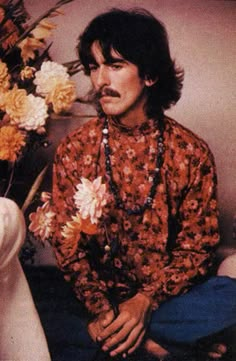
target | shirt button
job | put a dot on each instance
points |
(107, 248)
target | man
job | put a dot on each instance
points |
(158, 230)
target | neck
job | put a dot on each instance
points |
(135, 116)
(132, 120)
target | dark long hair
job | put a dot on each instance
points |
(142, 40)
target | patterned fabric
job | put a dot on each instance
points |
(164, 251)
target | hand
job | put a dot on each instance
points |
(125, 333)
(96, 327)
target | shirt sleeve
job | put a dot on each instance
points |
(195, 225)
(71, 254)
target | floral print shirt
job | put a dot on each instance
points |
(160, 253)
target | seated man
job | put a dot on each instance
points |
(134, 194)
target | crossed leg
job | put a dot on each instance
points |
(222, 288)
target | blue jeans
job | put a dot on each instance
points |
(205, 310)
(178, 323)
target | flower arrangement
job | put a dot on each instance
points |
(32, 87)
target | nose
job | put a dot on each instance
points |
(102, 78)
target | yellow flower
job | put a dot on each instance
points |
(4, 77)
(16, 103)
(12, 141)
(71, 230)
(28, 47)
(43, 30)
(62, 96)
(27, 72)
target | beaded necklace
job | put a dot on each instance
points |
(136, 209)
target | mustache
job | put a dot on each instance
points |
(107, 92)
(92, 97)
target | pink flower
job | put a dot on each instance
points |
(90, 198)
(42, 222)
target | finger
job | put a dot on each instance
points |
(108, 318)
(119, 336)
(129, 342)
(116, 338)
(92, 332)
(113, 328)
(217, 351)
(137, 343)
(215, 355)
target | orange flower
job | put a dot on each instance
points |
(4, 77)
(12, 141)
(8, 28)
(88, 227)
(28, 47)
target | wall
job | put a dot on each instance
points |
(202, 40)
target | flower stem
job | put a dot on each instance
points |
(10, 180)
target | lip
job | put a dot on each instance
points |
(106, 98)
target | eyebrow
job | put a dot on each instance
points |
(115, 60)
(111, 60)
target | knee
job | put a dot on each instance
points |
(228, 267)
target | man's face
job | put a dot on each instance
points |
(120, 89)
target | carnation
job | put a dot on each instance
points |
(2, 101)
(4, 77)
(49, 76)
(12, 140)
(35, 114)
(63, 96)
(16, 103)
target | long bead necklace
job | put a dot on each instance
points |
(136, 209)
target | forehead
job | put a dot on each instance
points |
(99, 57)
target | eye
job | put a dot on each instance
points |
(116, 66)
(92, 67)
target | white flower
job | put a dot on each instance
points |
(35, 115)
(90, 198)
(47, 78)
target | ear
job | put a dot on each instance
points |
(149, 82)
